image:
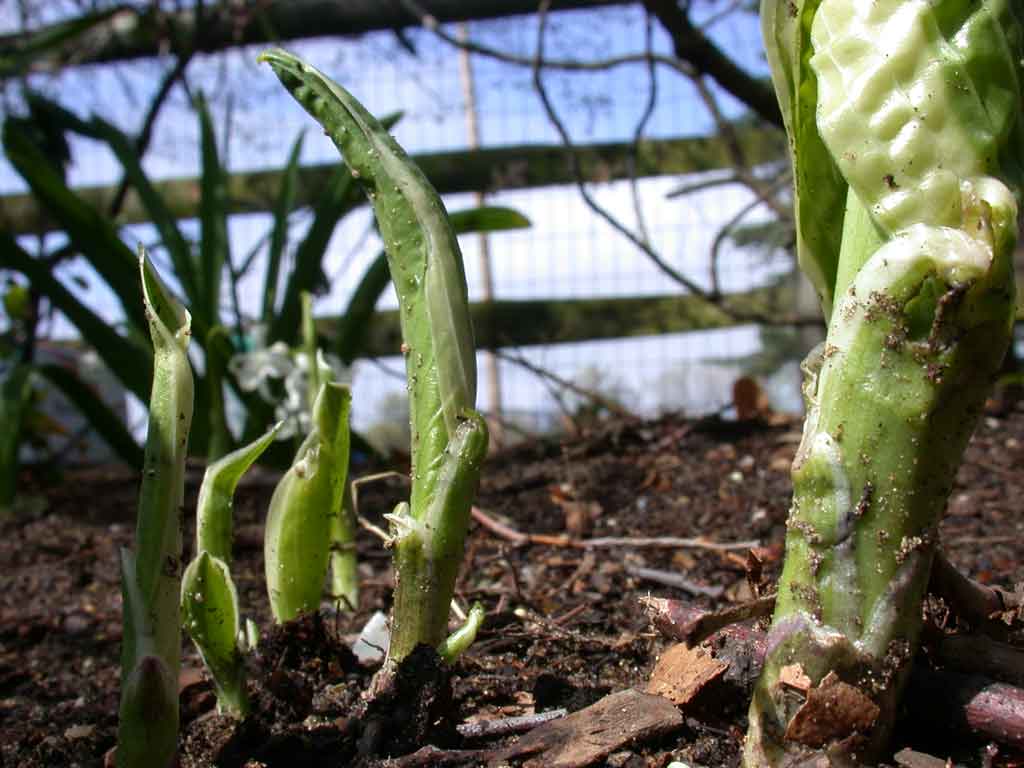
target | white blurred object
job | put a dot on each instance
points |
(372, 643)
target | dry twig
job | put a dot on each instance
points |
(508, 533)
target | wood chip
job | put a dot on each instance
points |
(908, 758)
(792, 676)
(591, 734)
(834, 710)
(681, 673)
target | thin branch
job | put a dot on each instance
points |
(538, 82)
(694, 47)
(430, 23)
(503, 531)
(595, 397)
(641, 126)
(728, 228)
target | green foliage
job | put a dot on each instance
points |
(15, 396)
(297, 535)
(151, 650)
(449, 439)
(209, 600)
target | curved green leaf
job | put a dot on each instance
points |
(424, 258)
(89, 231)
(151, 580)
(209, 611)
(216, 495)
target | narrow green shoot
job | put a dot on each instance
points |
(298, 530)
(209, 600)
(15, 395)
(151, 650)
(449, 439)
(459, 641)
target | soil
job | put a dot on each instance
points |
(564, 626)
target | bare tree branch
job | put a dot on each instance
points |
(431, 23)
(693, 46)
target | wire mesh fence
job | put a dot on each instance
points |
(568, 252)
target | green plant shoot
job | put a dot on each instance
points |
(209, 600)
(151, 651)
(926, 134)
(15, 397)
(449, 438)
(297, 537)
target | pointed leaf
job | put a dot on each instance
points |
(88, 230)
(216, 494)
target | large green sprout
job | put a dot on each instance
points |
(905, 125)
(449, 438)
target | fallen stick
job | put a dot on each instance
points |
(674, 580)
(976, 603)
(975, 703)
(482, 729)
(503, 531)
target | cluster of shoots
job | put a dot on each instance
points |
(309, 530)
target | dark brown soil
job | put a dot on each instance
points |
(563, 630)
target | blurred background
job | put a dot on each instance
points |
(618, 169)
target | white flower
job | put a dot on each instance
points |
(254, 370)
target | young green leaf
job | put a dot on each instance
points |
(426, 265)
(820, 190)
(216, 496)
(459, 641)
(151, 650)
(297, 537)
(449, 439)
(209, 608)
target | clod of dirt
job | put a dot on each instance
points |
(834, 710)
(411, 705)
(593, 733)
(681, 673)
